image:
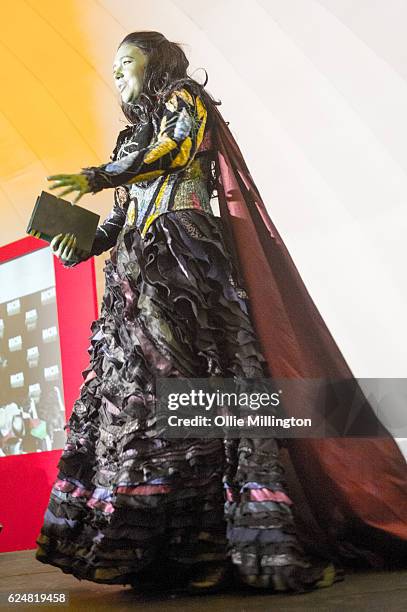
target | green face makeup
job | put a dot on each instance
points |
(128, 71)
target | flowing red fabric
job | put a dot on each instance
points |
(356, 488)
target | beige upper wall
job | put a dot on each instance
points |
(315, 93)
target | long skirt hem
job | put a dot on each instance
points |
(126, 499)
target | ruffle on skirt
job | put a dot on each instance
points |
(126, 500)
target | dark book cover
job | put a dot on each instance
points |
(52, 216)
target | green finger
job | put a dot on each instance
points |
(65, 192)
(68, 250)
(56, 240)
(64, 250)
(60, 184)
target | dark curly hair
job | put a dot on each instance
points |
(165, 71)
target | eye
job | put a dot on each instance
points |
(127, 61)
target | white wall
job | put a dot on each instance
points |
(316, 94)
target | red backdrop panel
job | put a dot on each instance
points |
(26, 480)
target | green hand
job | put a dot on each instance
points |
(64, 247)
(73, 182)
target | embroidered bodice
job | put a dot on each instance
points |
(154, 174)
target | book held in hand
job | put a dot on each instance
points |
(52, 216)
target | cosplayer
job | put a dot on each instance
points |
(189, 294)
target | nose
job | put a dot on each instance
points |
(117, 74)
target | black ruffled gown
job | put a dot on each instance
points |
(126, 501)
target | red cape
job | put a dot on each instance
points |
(356, 489)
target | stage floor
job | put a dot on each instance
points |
(362, 591)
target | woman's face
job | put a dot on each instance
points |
(128, 71)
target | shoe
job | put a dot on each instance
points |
(210, 577)
(281, 581)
